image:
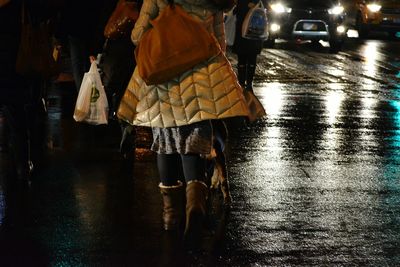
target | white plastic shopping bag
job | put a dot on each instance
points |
(230, 28)
(255, 24)
(91, 105)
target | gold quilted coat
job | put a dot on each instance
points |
(208, 91)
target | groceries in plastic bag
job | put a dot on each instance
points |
(91, 105)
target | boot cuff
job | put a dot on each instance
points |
(171, 186)
(197, 181)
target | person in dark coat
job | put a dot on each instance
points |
(81, 28)
(245, 49)
(20, 100)
(117, 65)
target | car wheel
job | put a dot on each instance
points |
(361, 28)
(269, 43)
(335, 46)
(315, 43)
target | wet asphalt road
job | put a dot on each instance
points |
(315, 183)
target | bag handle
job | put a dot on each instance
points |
(23, 13)
(260, 4)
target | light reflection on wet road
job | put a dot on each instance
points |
(319, 180)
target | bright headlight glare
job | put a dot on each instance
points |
(374, 7)
(275, 27)
(336, 10)
(341, 29)
(279, 8)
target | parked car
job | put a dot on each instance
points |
(377, 15)
(313, 20)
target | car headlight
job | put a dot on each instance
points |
(341, 29)
(336, 10)
(280, 8)
(275, 27)
(374, 7)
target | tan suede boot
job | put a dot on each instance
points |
(196, 196)
(173, 205)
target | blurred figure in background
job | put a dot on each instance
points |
(81, 28)
(21, 96)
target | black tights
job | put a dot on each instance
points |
(247, 59)
(246, 68)
(174, 167)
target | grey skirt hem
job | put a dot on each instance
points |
(194, 138)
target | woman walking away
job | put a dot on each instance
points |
(245, 49)
(180, 111)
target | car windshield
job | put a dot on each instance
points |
(310, 3)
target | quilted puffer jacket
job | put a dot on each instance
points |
(208, 91)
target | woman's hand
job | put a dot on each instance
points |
(92, 59)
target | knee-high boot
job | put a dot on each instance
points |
(196, 196)
(242, 75)
(173, 200)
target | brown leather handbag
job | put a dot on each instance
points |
(4, 2)
(122, 19)
(175, 43)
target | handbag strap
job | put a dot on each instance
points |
(23, 13)
(26, 17)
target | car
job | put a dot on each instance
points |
(313, 20)
(378, 15)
